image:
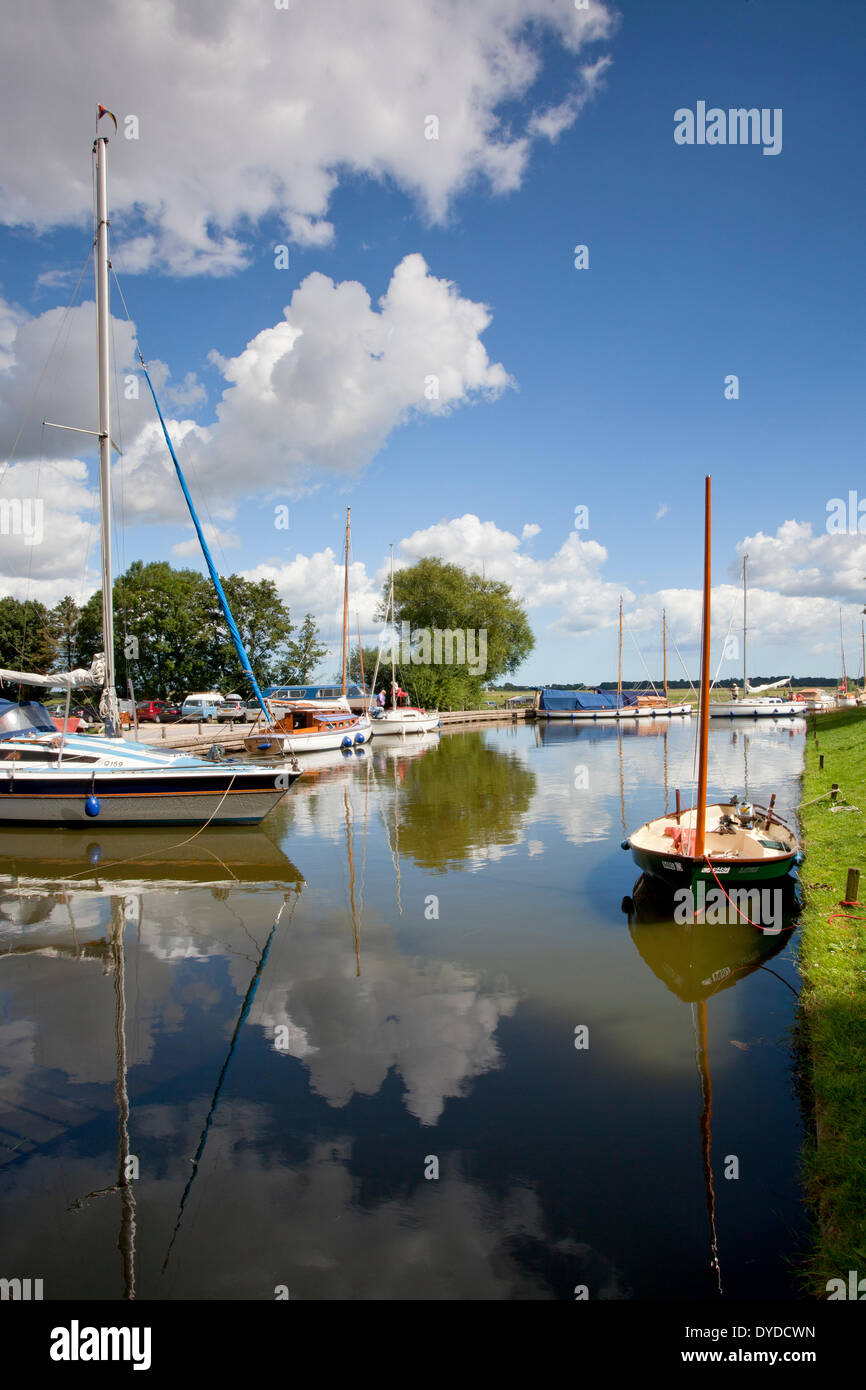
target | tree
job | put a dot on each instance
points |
(265, 626)
(64, 626)
(183, 637)
(306, 652)
(483, 632)
(27, 642)
(170, 613)
(354, 665)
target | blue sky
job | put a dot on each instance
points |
(601, 387)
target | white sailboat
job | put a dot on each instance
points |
(314, 726)
(49, 777)
(745, 707)
(400, 719)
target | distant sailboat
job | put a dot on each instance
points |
(314, 726)
(770, 707)
(401, 719)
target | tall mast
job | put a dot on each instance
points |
(361, 659)
(393, 639)
(704, 734)
(665, 652)
(619, 668)
(842, 646)
(346, 598)
(103, 380)
(863, 651)
(745, 677)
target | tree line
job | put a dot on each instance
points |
(182, 643)
(182, 638)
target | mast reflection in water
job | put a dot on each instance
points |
(279, 1030)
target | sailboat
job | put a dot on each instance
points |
(314, 726)
(51, 777)
(400, 719)
(727, 841)
(683, 707)
(768, 707)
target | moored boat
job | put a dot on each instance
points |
(723, 841)
(56, 777)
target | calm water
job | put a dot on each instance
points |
(284, 1029)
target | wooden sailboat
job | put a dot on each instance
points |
(736, 843)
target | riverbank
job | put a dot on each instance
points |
(833, 967)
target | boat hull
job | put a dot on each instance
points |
(746, 709)
(227, 795)
(682, 871)
(405, 721)
(752, 852)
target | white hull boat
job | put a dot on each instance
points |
(308, 728)
(405, 720)
(755, 709)
(66, 779)
(82, 780)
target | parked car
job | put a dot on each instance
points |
(201, 705)
(157, 712)
(232, 707)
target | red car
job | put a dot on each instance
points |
(157, 712)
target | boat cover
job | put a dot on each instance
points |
(565, 701)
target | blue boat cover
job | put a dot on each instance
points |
(566, 701)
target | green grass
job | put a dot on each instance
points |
(833, 1021)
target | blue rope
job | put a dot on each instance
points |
(224, 603)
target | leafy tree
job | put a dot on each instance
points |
(170, 612)
(370, 655)
(27, 643)
(306, 652)
(265, 627)
(434, 595)
(64, 625)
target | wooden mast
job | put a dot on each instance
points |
(842, 646)
(665, 652)
(619, 668)
(863, 651)
(346, 599)
(704, 732)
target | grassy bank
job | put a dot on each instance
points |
(833, 965)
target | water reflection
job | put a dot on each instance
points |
(696, 961)
(282, 1032)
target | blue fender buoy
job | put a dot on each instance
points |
(347, 741)
(91, 806)
(359, 738)
(94, 854)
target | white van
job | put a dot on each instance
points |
(201, 705)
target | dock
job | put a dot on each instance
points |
(200, 737)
